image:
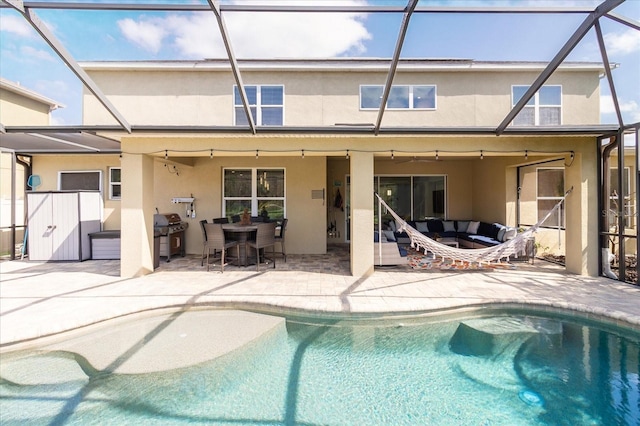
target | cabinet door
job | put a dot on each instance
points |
(65, 236)
(40, 227)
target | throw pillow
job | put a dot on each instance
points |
(501, 233)
(422, 227)
(392, 225)
(398, 226)
(510, 233)
(463, 225)
(389, 235)
(473, 227)
(448, 226)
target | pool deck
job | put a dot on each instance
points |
(45, 299)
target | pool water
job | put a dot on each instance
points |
(500, 370)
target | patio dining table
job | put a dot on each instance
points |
(241, 234)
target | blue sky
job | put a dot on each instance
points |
(100, 35)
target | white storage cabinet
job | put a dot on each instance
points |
(59, 224)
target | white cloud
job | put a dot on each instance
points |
(255, 35)
(37, 54)
(629, 109)
(623, 43)
(16, 25)
(147, 34)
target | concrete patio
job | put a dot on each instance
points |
(44, 299)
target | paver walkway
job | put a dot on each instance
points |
(42, 299)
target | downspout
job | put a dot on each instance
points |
(605, 254)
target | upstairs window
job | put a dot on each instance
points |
(543, 109)
(265, 102)
(400, 97)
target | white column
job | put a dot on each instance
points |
(582, 215)
(361, 197)
(137, 209)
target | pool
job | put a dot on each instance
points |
(488, 367)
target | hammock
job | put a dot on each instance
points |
(513, 247)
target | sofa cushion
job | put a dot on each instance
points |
(473, 227)
(463, 225)
(422, 227)
(484, 240)
(390, 236)
(501, 233)
(435, 225)
(392, 225)
(510, 233)
(486, 229)
(448, 226)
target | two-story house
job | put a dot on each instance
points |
(19, 106)
(319, 132)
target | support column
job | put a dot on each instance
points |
(581, 210)
(361, 196)
(136, 229)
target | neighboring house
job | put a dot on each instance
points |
(19, 106)
(437, 153)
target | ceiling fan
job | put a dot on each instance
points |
(415, 159)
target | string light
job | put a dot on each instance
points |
(481, 155)
(166, 154)
(437, 156)
(392, 156)
(526, 154)
(347, 157)
(257, 154)
(303, 153)
(211, 154)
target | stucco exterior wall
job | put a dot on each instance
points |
(48, 166)
(17, 110)
(306, 229)
(313, 98)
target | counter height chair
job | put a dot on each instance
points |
(265, 237)
(280, 239)
(204, 240)
(216, 241)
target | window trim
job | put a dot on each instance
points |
(254, 198)
(112, 183)
(61, 172)
(411, 88)
(537, 105)
(258, 106)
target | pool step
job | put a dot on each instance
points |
(496, 335)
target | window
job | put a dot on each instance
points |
(115, 183)
(543, 109)
(414, 197)
(265, 102)
(80, 180)
(257, 190)
(400, 97)
(550, 192)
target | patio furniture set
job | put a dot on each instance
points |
(249, 241)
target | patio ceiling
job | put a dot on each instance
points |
(74, 139)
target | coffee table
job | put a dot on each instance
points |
(452, 242)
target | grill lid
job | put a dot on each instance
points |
(166, 219)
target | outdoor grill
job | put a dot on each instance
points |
(172, 234)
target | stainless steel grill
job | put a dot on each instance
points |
(172, 234)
